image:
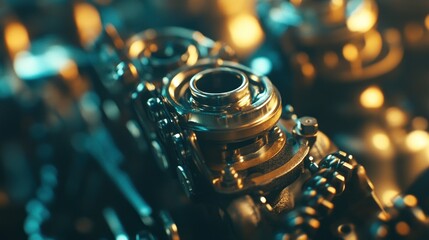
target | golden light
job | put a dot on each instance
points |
(427, 21)
(336, 11)
(193, 55)
(388, 195)
(380, 144)
(315, 224)
(417, 140)
(302, 58)
(410, 200)
(364, 18)
(174, 229)
(392, 35)
(337, 3)
(373, 45)
(87, 21)
(395, 117)
(16, 38)
(136, 48)
(296, 2)
(350, 52)
(380, 141)
(413, 32)
(402, 228)
(308, 70)
(419, 123)
(372, 97)
(246, 33)
(133, 71)
(228, 7)
(69, 71)
(153, 47)
(330, 59)
(114, 35)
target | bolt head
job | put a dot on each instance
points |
(307, 126)
(165, 129)
(185, 180)
(154, 108)
(179, 144)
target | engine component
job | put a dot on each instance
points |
(224, 125)
(163, 134)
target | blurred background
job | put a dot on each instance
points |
(361, 67)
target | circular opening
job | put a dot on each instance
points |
(168, 49)
(216, 82)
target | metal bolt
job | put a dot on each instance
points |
(307, 126)
(154, 109)
(230, 177)
(185, 181)
(311, 165)
(165, 129)
(179, 145)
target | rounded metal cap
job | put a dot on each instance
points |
(307, 126)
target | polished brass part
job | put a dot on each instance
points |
(291, 164)
(220, 87)
(230, 177)
(307, 126)
(257, 111)
(256, 152)
(234, 115)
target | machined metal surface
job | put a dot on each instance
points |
(258, 107)
(116, 125)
